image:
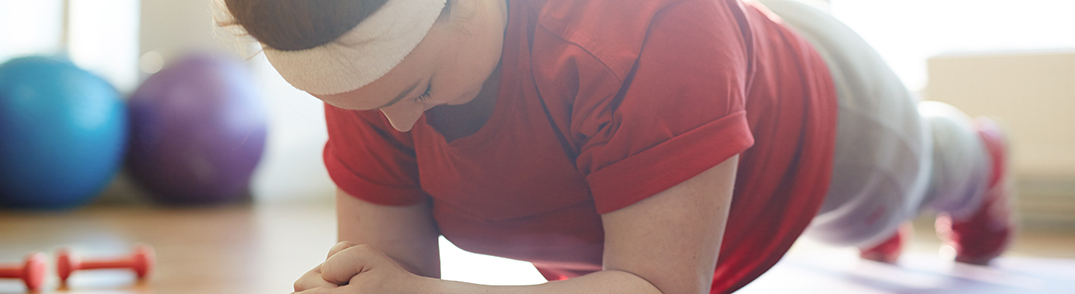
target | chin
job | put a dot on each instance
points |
(466, 97)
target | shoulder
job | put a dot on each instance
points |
(614, 32)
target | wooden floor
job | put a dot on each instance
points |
(264, 248)
(243, 249)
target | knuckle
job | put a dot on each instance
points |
(364, 248)
(356, 250)
(339, 247)
(342, 245)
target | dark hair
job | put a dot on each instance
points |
(291, 25)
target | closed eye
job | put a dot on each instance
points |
(425, 96)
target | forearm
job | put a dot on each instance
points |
(407, 234)
(608, 281)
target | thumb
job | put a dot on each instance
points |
(354, 260)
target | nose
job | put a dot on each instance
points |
(403, 117)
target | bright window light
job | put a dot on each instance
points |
(104, 39)
(907, 32)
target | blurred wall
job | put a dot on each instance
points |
(1033, 94)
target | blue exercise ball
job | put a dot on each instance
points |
(198, 130)
(63, 133)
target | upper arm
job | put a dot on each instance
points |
(661, 155)
(672, 239)
(679, 109)
(408, 234)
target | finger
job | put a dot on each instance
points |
(319, 291)
(312, 279)
(349, 262)
(340, 246)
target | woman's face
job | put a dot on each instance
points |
(447, 67)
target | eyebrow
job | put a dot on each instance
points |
(401, 95)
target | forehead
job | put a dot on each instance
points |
(415, 68)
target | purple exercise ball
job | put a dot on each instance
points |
(198, 130)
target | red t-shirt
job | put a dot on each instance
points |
(603, 103)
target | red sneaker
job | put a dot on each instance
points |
(889, 251)
(988, 232)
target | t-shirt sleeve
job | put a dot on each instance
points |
(370, 161)
(678, 112)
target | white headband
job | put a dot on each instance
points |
(364, 54)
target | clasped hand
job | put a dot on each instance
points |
(354, 269)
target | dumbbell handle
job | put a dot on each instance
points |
(140, 261)
(103, 264)
(8, 271)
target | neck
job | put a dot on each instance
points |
(457, 121)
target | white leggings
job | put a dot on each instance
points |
(895, 157)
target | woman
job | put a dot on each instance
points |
(661, 146)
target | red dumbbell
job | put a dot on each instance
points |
(32, 272)
(141, 262)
